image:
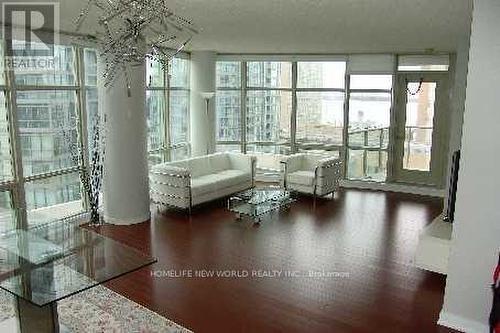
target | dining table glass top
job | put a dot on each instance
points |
(59, 258)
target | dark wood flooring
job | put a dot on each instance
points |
(372, 236)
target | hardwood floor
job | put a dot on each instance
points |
(370, 236)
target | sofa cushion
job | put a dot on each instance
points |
(301, 177)
(203, 184)
(229, 178)
(213, 182)
(199, 166)
(219, 162)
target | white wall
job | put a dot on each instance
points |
(202, 80)
(476, 238)
(457, 104)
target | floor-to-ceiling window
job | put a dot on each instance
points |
(370, 101)
(42, 131)
(320, 106)
(228, 104)
(300, 106)
(167, 99)
(280, 106)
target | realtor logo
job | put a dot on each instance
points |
(30, 28)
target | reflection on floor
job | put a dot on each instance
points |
(344, 266)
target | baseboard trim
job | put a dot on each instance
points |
(388, 187)
(127, 221)
(460, 323)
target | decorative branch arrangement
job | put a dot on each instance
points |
(91, 174)
(130, 31)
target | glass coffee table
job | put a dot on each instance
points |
(256, 202)
(48, 263)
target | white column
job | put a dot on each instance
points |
(126, 186)
(476, 232)
(202, 80)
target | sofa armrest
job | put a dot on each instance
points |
(243, 162)
(171, 185)
(329, 169)
(329, 162)
(170, 175)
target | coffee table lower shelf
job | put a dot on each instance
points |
(255, 203)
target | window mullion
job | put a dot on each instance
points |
(167, 153)
(243, 111)
(345, 149)
(19, 192)
(293, 117)
(82, 128)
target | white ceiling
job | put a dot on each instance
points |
(318, 26)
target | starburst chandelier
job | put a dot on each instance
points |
(130, 31)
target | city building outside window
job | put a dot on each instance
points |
(40, 114)
(167, 100)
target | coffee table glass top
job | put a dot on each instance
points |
(259, 201)
(51, 262)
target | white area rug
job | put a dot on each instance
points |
(101, 310)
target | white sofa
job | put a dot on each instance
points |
(187, 183)
(312, 174)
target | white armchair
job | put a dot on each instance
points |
(312, 174)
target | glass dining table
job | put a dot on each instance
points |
(50, 261)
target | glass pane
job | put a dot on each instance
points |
(268, 116)
(2, 64)
(420, 104)
(48, 130)
(179, 116)
(5, 148)
(417, 149)
(221, 148)
(92, 105)
(355, 167)
(419, 125)
(369, 119)
(423, 63)
(155, 101)
(272, 149)
(326, 153)
(371, 82)
(421, 68)
(7, 216)
(228, 74)
(179, 76)
(180, 153)
(54, 197)
(155, 76)
(320, 118)
(90, 61)
(228, 109)
(157, 157)
(62, 73)
(269, 74)
(321, 74)
(367, 165)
